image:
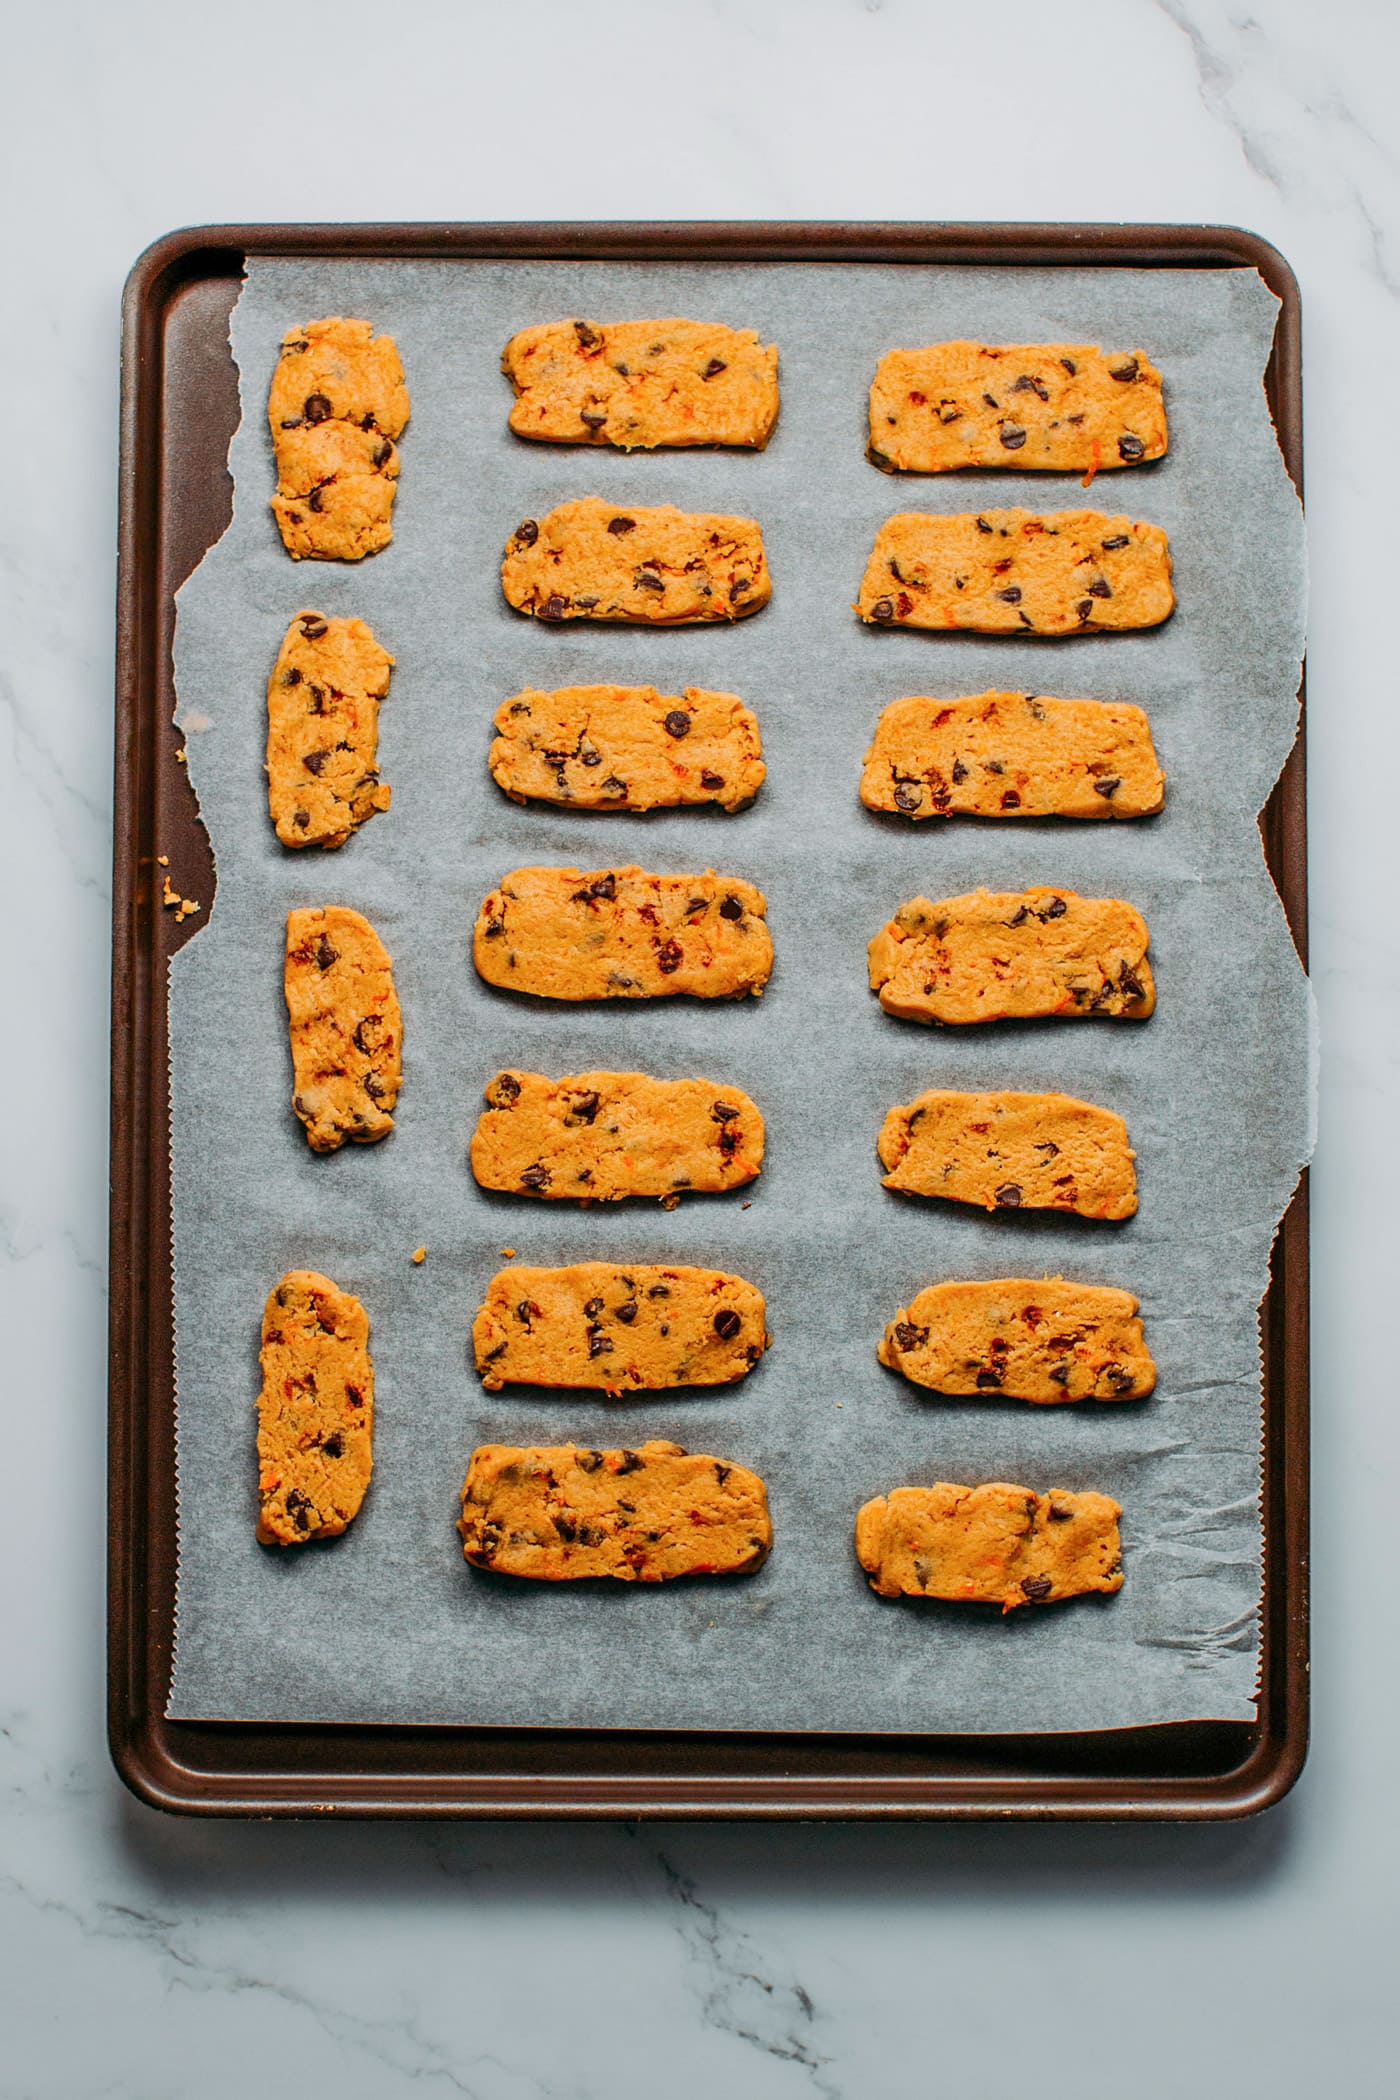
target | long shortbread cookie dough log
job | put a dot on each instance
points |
(1060, 407)
(1011, 1152)
(1013, 955)
(627, 747)
(620, 1328)
(1012, 755)
(346, 1028)
(1017, 572)
(995, 1544)
(315, 1410)
(590, 560)
(1041, 1340)
(622, 933)
(336, 404)
(557, 1512)
(323, 730)
(600, 1136)
(642, 384)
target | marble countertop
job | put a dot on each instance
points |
(151, 1957)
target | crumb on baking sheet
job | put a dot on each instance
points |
(420, 1254)
(183, 907)
(509, 1253)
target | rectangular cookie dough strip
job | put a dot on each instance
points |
(323, 730)
(346, 1029)
(638, 385)
(1013, 955)
(1017, 572)
(590, 560)
(315, 1410)
(1055, 407)
(994, 1544)
(1012, 755)
(1036, 1339)
(556, 1512)
(600, 1136)
(336, 404)
(622, 933)
(619, 1329)
(1011, 1152)
(627, 747)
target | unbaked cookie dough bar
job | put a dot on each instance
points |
(622, 933)
(994, 1544)
(346, 1029)
(638, 385)
(1017, 572)
(323, 730)
(590, 560)
(315, 1410)
(1012, 755)
(627, 747)
(1013, 956)
(1057, 407)
(336, 404)
(1011, 1152)
(556, 1512)
(621, 1329)
(597, 1137)
(1044, 1341)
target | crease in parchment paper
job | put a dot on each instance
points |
(387, 1624)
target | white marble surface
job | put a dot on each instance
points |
(146, 1957)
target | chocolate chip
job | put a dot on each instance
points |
(588, 1461)
(314, 760)
(612, 785)
(740, 588)
(1130, 447)
(906, 797)
(1011, 800)
(374, 1087)
(880, 460)
(1107, 788)
(882, 609)
(302, 819)
(629, 1462)
(1121, 1380)
(1010, 596)
(312, 626)
(626, 1313)
(1008, 1196)
(991, 401)
(504, 1087)
(1012, 436)
(383, 454)
(731, 908)
(908, 1336)
(1127, 370)
(1101, 588)
(1059, 1374)
(1130, 983)
(1055, 909)
(535, 1177)
(316, 408)
(727, 1324)
(648, 580)
(584, 1108)
(982, 525)
(526, 532)
(291, 422)
(588, 339)
(299, 1509)
(1084, 608)
(659, 1290)
(1120, 539)
(711, 780)
(595, 418)
(621, 525)
(291, 676)
(1026, 385)
(988, 1378)
(333, 1446)
(599, 1344)
(1070, 366)
(714, 368)
(313, 501)
(669, 957)
(1036, 1587)
(594, 1305)
(677, 723)
(959, 772)
(566, 1528)
(325, 954)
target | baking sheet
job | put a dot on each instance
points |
(388, 1624)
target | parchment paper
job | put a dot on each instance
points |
(388, 1624)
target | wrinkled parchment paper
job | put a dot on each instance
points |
(388, 1624)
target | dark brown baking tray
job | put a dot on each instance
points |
(179, 411)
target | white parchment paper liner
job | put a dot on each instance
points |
(388, 1624)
